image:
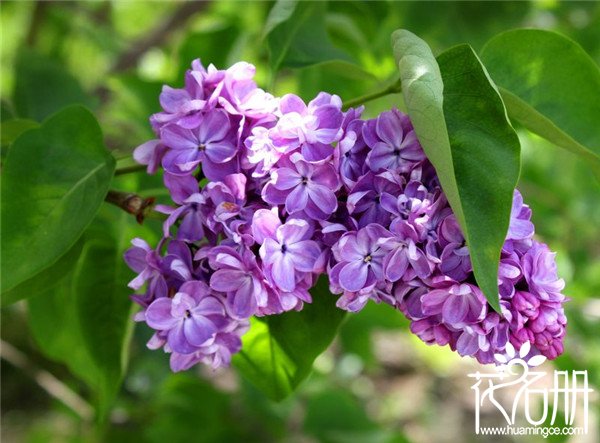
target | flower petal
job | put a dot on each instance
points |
(353, 276)
(283, 273)
(158, 315)
(296, 200)
(198, 329)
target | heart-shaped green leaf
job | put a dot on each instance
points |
(550, 85)
(461, 122)
(53, 182)
(278, 351)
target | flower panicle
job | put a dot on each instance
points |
(296, 190)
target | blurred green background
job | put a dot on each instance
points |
(377, 382)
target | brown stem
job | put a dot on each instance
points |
(131, 203)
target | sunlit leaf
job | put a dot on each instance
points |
(550, 85)
(462, 125)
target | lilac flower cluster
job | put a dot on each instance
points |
(297, 190)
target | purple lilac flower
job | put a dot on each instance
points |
(304, 187)
(404, 255)
(352, 153)
(239, 277)
(190, 319)
(298, 190)
(227, 199)
(454, 260)
(216, 354)
(242, 96)
(180, 106)
(211, 141)
(183, 106)
(539, 269)
(178, 266)
(420, 207)
(288, 253)
(184, 192)
(144, 260)
(360, 259)
(458, 305)
(262, 154)
(520, 227)
(394, 145)
(364, 200)
(312, 128)
(151, 154)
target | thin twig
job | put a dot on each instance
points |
(182, 14)
(47, 381)
(392, 89)
(129, 58)
(131, 203)
(130, 169)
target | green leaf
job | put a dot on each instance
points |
(278, 351)
(54, 180)
(296, 35)
(281, 12)
(43, 86)
(11, 129)
(482, 140)
(550, 85)
(104, 310)
(45, 280)
(461, 122)
(55, 327)
(84, 320)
